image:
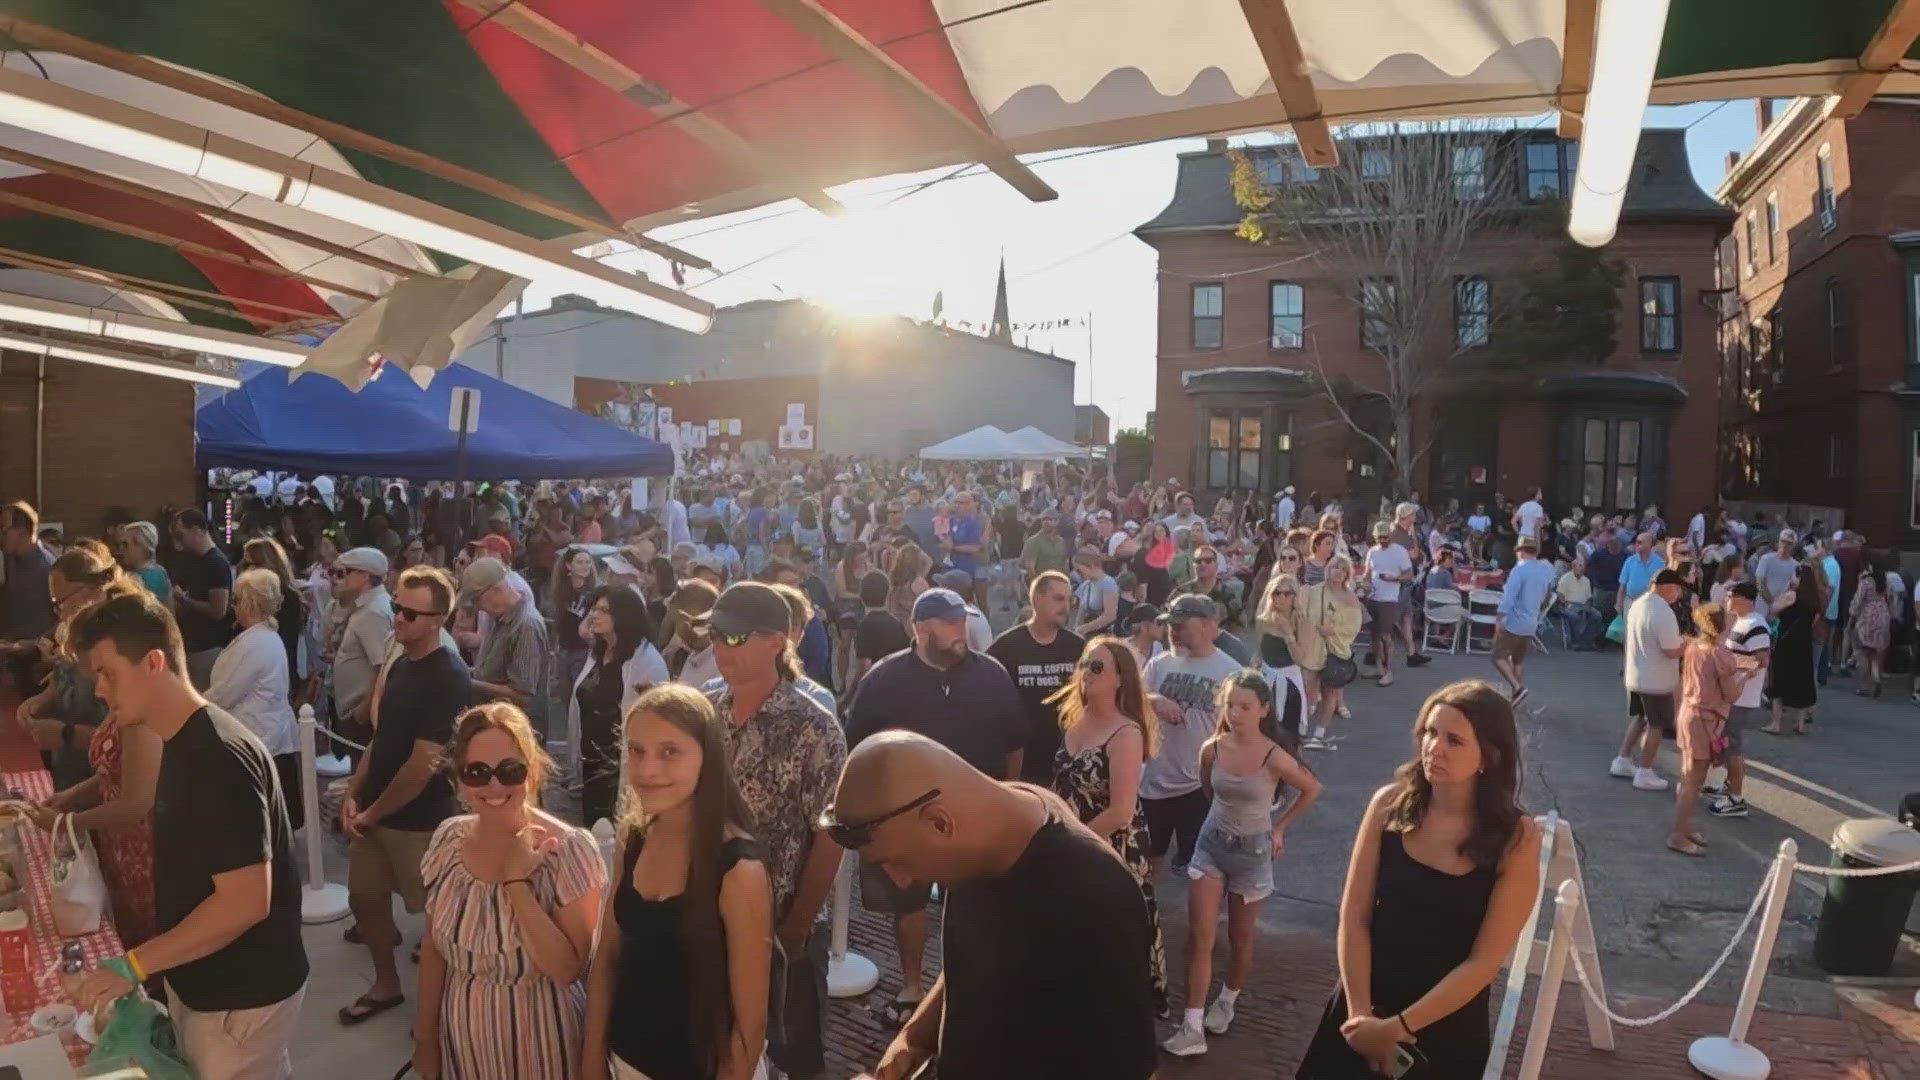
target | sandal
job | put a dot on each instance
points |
(366, 1007)
(1698, 838)
(1690, 849)
(896, 1013)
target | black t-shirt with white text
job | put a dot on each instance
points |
(421, 700)
(218, 808)
(1038, 671)
(1047, 970)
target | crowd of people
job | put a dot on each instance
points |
(760, 669)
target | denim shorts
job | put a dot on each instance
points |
(1244, 863)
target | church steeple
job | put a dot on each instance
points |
(1002, 327)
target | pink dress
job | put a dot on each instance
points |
(126, 855)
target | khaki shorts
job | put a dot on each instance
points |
(387, 861)
(1511, 647)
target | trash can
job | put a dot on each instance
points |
(1862, 917)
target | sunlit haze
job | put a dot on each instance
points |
(1073, 260)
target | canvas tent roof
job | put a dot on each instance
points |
(984, 443)
(1038, 442)
(393, 427)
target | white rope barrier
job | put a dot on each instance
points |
(336, 736)
(1855, 871)
(1686, 999)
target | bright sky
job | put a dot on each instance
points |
(1074, 258)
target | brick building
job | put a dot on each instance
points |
(90, 437)
(1820, 328)
(1239, 405)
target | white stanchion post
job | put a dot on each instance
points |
(1540, 1031)
(320, 901)
(848, 973)
(1731, 1057)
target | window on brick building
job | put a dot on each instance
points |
(1756, 354)
(1472, 311)
(1469, 172)
(1836, 456)
(1753, 244)
(1550, 168)
(1838, 347)
(1610, 463)
(1209, 315)
(1377, 299)
(1777, 345)
(1287, 309)
(1235, 441)
(1660, 314)
(1773, 226)
(1220, 448)
(1823, 196)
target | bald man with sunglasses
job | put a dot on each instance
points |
(1046, 933)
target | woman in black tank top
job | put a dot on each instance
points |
(680, 977)
(1445, 874)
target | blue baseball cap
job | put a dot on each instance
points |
(939, 604)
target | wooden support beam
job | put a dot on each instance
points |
(34, 35)
(190, 206)
(180, 244)
(845, 44)
(1576, 65)
(161, 290)
(1273, 31)
(1881, 58)
(607, 70)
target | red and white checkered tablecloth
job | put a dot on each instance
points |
(34, 862)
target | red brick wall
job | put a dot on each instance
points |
(761, 404)
(111, 438)
(1682, 249)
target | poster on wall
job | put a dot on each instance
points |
(786, 437)
(733, 426)
(796, 413)
(713, 427)
(664, 416)
(1913, 474)
(803, 437)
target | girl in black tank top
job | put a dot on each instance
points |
(662, 1001)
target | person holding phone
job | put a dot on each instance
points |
(1440, 885)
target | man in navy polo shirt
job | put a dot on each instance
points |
(963, 700)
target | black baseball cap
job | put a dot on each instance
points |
(749, 606)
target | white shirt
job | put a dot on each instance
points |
(1184, 521)
(1384, 567)
(1697, 531)
(1194, 686)
(646, 667)
(699, 667)
(1283, 512)
(1479, 523)
(1651, 630)
(678, 532)
(289, 490)
(1120, 536)
(250, 681)
(1749, 635)
(842, 520)
(1531, 514)
(323, 487)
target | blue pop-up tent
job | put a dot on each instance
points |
(394, 428)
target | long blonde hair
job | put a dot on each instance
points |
(1346, 591)
(1130, 698)
(1269, 620)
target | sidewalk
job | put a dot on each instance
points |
(1877, 1037)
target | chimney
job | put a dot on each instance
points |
(1733, 159)
(1763, 113)
(1216, 146)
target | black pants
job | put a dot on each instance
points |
(797, 1006)
(599, 765)
(291, 791)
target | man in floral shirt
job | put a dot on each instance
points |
(786, 752)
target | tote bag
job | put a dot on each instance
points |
(78, 892)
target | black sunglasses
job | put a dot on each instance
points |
(405, 612)
(732, 641)
(1094, 665)
(855, 836)
(511, 772)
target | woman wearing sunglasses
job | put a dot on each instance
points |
(513, 894)
(623, 662)
(1108, 735)
(680, 977)
(1290, 646)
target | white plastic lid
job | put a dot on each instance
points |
(1878, 841)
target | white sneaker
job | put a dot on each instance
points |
(1186, 1042)
(1646, 780)
(1621, 767)
(1343, 712)
(1219, 1016)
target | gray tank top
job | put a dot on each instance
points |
(1242, 805)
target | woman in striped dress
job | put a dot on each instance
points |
(513, 894)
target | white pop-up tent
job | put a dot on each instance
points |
(1037, 443)
(984, 443)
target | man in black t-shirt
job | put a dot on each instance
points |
(202, 594)
(1040, 655)
(1046, 937)
(400, 793)
(224, 886)
(878, 634)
